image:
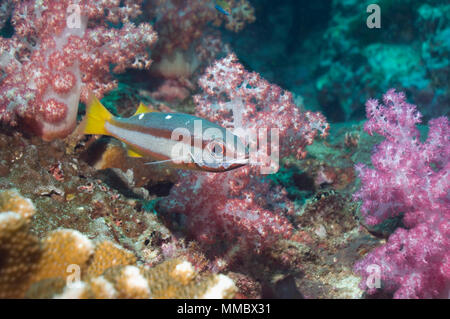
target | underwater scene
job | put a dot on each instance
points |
(236, 149)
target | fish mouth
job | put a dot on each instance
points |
(222, 166)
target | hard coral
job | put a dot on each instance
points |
(60, 249)
(108, 255)
(11, 201)
(66, 264)
(59, 52)
(171, 279)
(19, 250)
(409, 177)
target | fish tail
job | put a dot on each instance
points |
(96, 117)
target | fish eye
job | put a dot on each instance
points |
(216, 149)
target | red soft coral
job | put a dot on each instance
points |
(59, 51)
(227, 207)
(236, 98)
(240, 206)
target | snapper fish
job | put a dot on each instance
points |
(181, 140)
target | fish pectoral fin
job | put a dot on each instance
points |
(132, 153)
(142, 108)
(170, 160)
(158, 162)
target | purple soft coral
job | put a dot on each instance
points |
(408, 177)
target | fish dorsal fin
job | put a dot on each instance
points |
(143, 109)
(132, 153)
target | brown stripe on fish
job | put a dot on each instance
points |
(149, 144)
(162, 133)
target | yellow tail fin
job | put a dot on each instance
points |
(96, 117)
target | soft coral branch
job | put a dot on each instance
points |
(236, 98)
(49, 63)
(408, 177)
(240, 206)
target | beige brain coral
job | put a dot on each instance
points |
(19, 253)
(60, 249)
(162, 281)
(177, 279)
(66, 264)
(19, 250)
(108, 255)
(12, 201)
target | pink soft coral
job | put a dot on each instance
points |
(227, 206)
(59, 51)
(240, 206)
(236, 98)
(409, 177)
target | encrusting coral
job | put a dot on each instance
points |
(66, 264)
